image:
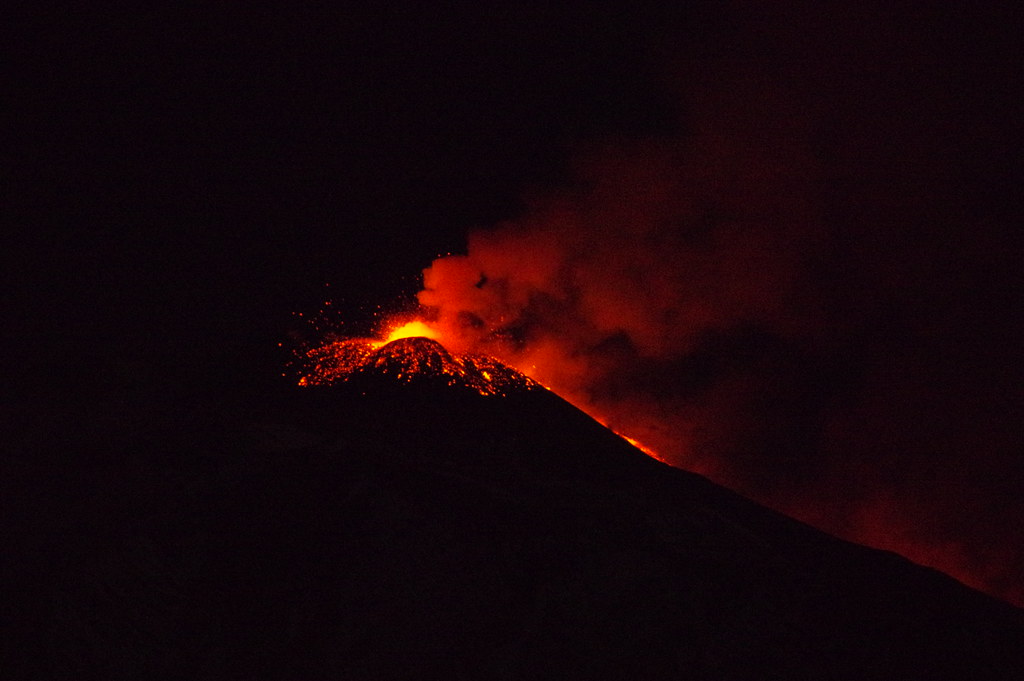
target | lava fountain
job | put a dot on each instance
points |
(411, 351)
(408, 359)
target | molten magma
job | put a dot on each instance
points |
(413, 329)
(639, 445)
(408, 360)
(411, 352)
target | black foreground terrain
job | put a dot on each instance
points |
(393, 530)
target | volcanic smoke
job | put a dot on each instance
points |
(694, 296)
(684, 301)
(682, 294)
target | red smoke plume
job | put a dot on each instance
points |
(692, 294)
(621, 291)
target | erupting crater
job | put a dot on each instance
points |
(409, 360)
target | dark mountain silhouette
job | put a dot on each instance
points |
(409, 360)
(382, 528)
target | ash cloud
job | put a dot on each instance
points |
(670, 278)
(732, 298)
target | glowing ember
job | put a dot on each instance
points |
(408, 351)
(413, 329)
(409, 359)
(646, 450)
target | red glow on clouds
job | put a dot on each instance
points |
(754, 310)
(674, 293)
(602, 283)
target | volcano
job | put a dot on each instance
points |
(428, 515)
(410, 360)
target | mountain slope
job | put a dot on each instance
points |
(380, 529)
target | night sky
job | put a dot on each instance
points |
(784, 238)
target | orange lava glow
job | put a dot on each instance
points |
(407, 359)
(415, 328)
(389, 354)
(646, 450)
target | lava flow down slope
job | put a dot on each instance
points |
(411, 513)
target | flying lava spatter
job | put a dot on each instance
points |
(407, 354)
(408, 351)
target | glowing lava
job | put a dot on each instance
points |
(410, 351)
(413, 329)
(407, 360)
(646, 450)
